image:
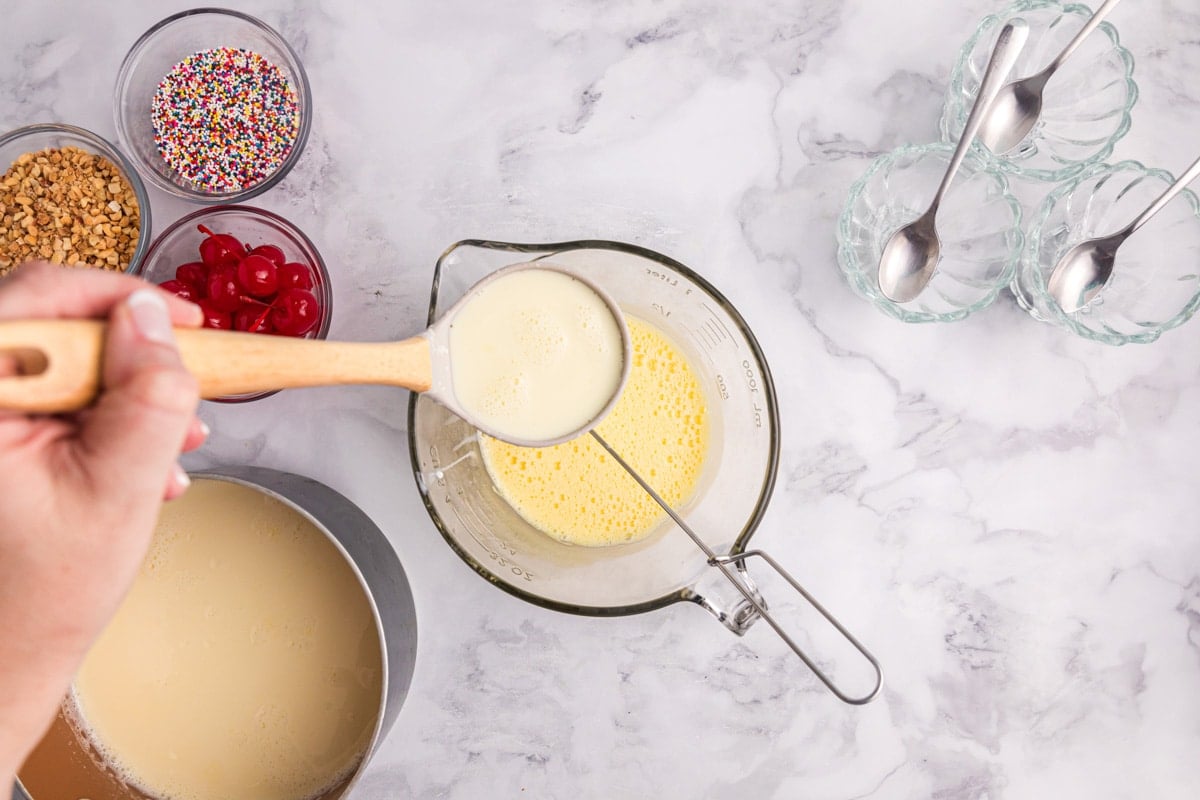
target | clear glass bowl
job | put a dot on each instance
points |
(180, 244)
(979, 225)
(1155, 284)
(156, 53)
(33, 138)
(1087, 103)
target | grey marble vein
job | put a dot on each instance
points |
(1005, 515)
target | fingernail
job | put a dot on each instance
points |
(182, 481)
(150, 316)
(204, 429)
(197, 313)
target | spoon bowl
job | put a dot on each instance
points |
(1013, 114)
(911, 255)
(1083, 272)
(1019, 104)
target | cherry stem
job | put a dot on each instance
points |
(204, 229)
(262, 318)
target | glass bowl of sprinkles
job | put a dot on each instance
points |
(212, 106)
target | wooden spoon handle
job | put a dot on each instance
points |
(60, 362)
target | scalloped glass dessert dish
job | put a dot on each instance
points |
(979, 224)
(1155, 283)
(1087, 102)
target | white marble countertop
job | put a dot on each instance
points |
(1007, 516)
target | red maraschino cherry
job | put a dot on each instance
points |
(219, 249)
(295, 313)
(253, 320)
(194, 274)
(214, 317)
(258, 276)
(271, 253)
(224, 291)
(248, 289)
(180, 289)
(295, 276)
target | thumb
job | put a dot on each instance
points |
(136, 429)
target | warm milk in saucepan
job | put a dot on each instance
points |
(535, 355)
(244, 664)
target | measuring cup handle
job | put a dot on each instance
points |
(740, 617)
(758, 608)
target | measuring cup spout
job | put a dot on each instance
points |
(738, 613)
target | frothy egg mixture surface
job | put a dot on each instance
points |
(535, 355)
(577, 493)
(244, 663)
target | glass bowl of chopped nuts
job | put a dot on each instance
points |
(69, 197)
(212, 105)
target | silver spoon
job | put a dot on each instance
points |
(1019, 103)
(1084, 270)
(912, 252)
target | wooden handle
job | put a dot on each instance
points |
(62, 361)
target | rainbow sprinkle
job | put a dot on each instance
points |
(225, 119)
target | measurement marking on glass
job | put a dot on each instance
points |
(705, 347)
(718, 336)
(721, 323)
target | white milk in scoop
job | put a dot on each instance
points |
(535, 356)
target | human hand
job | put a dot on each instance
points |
(82, 492)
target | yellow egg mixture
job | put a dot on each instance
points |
(577, 493)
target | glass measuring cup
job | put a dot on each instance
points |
(735, 484)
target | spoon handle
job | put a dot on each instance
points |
(1004, 55)
(61, 363)
(1175, 188)
(1087, 28)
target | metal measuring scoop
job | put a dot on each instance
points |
(912, 253)
(63, 368)
(1084, 270)
(1019, 104)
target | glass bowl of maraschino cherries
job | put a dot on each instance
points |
(248, 269)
